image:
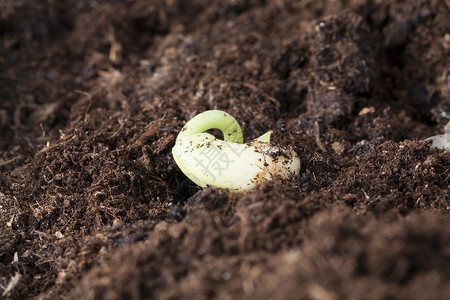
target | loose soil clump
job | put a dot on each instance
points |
(94, 93)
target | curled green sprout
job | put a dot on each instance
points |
(229, 163)
(441, 141)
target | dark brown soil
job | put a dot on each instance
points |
(93, 94)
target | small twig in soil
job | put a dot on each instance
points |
(317, 136)
(9, 161)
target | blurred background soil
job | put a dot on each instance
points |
(93, 94)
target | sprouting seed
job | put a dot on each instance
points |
(229, 163)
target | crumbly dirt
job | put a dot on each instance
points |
(94, 93)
